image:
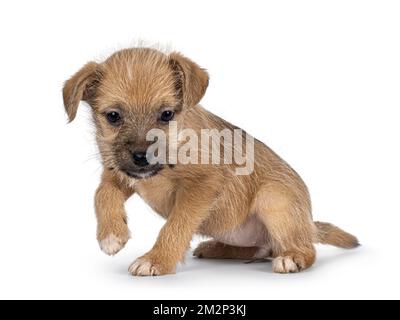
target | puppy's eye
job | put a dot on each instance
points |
(167, 116)
(113, 117)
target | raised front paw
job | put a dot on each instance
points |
(112, 244)
(112, 237)
(149, 265)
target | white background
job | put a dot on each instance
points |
(318, 81)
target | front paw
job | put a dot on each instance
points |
(150, 266)
(112, 244)
(112, 237)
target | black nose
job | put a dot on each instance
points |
(139, 158)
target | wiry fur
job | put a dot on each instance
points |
(272, 202)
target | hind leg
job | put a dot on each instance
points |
(292, 251)
(290, 230)
(217, 250)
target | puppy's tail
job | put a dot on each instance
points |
(330, 234)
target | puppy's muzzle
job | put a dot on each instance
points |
(140, 166)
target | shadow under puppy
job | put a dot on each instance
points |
(263, 214)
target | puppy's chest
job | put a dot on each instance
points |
(158, 193)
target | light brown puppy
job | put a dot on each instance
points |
(263, 214)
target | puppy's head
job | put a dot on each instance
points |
(132, 92)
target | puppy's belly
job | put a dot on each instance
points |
(252, 233)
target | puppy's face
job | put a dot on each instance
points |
(131, 93)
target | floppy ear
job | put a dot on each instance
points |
(192, 81)
(81, 86)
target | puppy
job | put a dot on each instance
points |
(264, 213)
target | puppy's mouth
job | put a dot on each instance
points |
(142, 173)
